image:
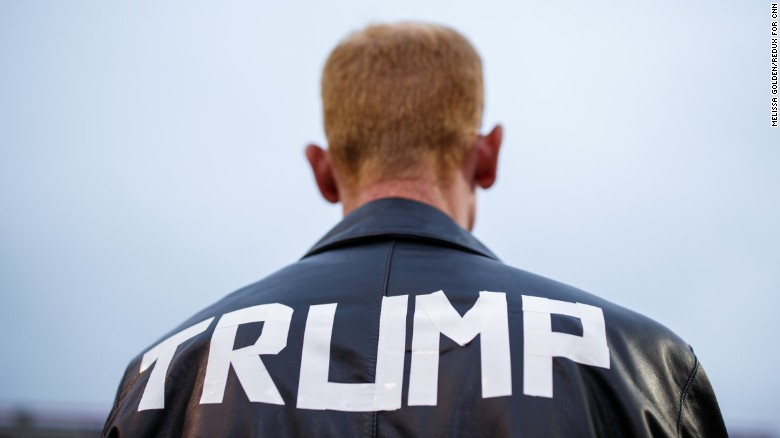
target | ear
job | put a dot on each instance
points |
(487, 149)
(319, 160)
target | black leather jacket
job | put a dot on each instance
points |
(344, 343)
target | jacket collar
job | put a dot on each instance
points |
(403, 218)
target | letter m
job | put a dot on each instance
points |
(434, 316)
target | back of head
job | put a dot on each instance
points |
(401, 101)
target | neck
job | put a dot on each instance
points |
(457, 199)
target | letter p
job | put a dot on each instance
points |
(542, 344)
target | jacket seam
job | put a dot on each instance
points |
(387, 268)
(385, 281)
(684, 393)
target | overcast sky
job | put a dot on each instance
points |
(151, 161)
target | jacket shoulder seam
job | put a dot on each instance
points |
(684, 393)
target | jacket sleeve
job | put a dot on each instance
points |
(699, 411)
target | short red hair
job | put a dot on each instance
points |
(397, 95)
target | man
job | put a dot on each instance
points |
(399, 322)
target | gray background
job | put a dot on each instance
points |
(151, 162)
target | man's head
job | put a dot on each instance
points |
(398, 98)
(402, 104)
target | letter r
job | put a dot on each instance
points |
(246, 361)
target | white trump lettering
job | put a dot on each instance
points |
(246, 361)
(314, 389)
(542, 344)
(434, 315)
(162, 353)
